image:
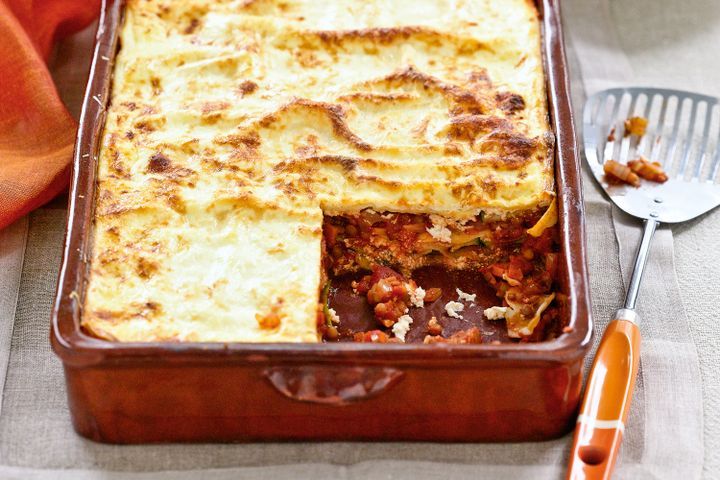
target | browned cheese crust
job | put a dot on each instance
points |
(235, 125)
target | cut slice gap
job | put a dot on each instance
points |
(377, 264)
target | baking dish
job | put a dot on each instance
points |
(159, 392)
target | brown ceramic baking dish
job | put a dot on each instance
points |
(158, 392)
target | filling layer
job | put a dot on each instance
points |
(382, 252)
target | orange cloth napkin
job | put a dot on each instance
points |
(36, 131)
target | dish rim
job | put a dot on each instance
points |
(77, 348)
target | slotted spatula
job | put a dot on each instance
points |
(683, 134)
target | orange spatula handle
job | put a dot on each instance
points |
(601, 422)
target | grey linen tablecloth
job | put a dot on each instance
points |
(674, 427)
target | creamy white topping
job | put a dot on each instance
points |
(234, 126)
(453, 309)
(465, 296)
(334, 317)
(402, 326)
(417, 296)
(439, 230)
(495, 313)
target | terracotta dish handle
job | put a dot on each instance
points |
(332, 385)
(605, 408)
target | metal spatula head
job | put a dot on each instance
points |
(683, 135)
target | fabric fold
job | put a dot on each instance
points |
(36, 131)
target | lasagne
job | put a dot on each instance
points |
(258, 155)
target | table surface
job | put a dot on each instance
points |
(657, 42)
(677, 45)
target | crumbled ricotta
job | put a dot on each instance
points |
(439, 230)
(334, 317)
(460, 224)
(465, 296)
(417, 296)
(402, 326)
(452, 309)
(496, 313)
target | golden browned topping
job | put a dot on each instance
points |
(234, 126)
(270, 320)
(158, 163)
